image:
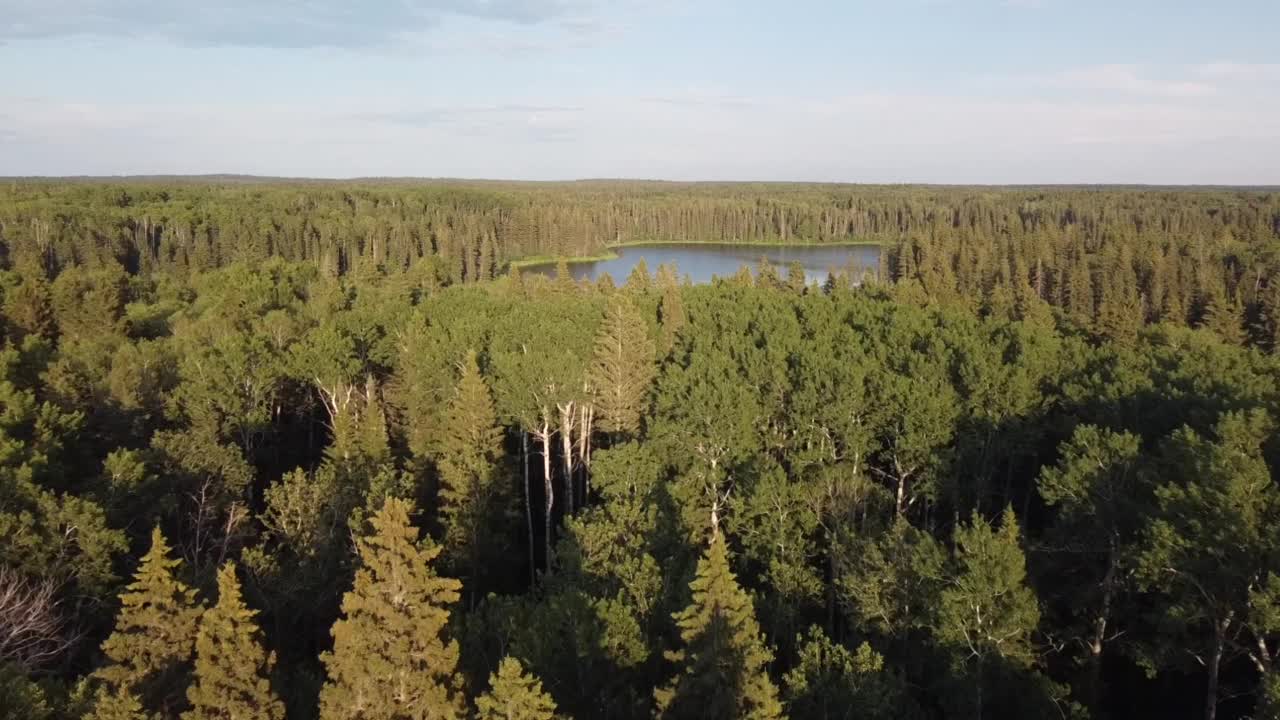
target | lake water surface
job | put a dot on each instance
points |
(700, 262)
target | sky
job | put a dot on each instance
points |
(868, 91)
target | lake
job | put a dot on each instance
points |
(700, 262)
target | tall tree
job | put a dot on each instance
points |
(622, 368)
(154, 636)
(231, 669)
(1205, 555)
(1099, 500)
(391, 659)
(987, 610)
(471, 490)
(724, 662)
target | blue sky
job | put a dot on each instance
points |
(952, 91)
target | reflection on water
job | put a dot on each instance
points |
(702, 262)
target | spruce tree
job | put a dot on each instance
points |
(470, 489)
(988, 611)
(564, 277)
(390, 658)
(724, 662)
(231, 669)
(514, 695)
(622, 368)
(796, 279)
(118, 705)
(639, 280)
(672, 311)
(154, 634)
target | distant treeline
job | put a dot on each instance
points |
(1111, 257)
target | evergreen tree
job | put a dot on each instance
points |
(987, 611)
(796, 280)
(622, 368)
(390, 658)
(831, 682)
(231, 669)
(724, 663)
(1205, 556)
(672, 312)
(155, 632)
(118, 705)
(514, 695)
(564, 277)
(639, 280)
(471, 490)
(1225, 318)
(767, 275)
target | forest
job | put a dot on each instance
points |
(317, 450)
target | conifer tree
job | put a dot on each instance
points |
(622, 368)
(796, 280)
(564, 278)
(639, 280)
(231, 669)
(390, 657)
(672, 312)
(988, 612)
(1224, 318)
(118, 705)
(154, 634)
(724, 662)
(470, 489)
(767, 275)
(514, 695)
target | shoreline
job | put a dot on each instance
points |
(610, 254)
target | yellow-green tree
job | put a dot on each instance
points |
(514, 695)
(391, 659)
(155, 632)
(622, 368)
(231, 669)
(724, 661)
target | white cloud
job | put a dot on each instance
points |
(1131, 79)
(1224, 138)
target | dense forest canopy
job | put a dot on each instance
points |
(305, 450)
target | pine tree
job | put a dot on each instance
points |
(672, 312)
(231, 673)
(390, 658)
(724, 662)
(154, 634)
(622, 368)
(564, 278)
(988, 612)
(514, 695)
(767, 275)
(638, 280)
(796, 279)
(119, 705)
(470, 489)
(1225, 318)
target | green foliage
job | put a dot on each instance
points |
(258, 367)
(621, 368)
(473, 497)
(723, 661)
(514, 695)
(391, 658)
(231, 668)
(832, 682)
(150, 649)
(986, 609)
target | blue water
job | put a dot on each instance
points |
(702, 262)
